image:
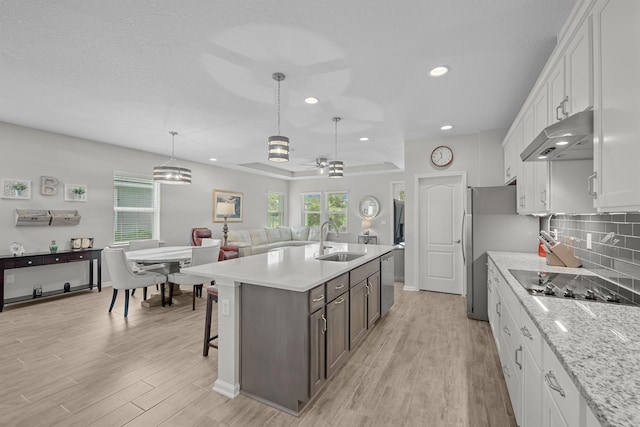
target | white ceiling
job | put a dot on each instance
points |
(128, 72)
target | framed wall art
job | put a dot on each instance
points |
(15, 188)
(227, 204)
(75, 193)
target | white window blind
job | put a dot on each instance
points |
(136, 208)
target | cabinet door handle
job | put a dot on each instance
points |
(516, 356)
(561, 107)
(508, 172)
(591, 185)
(339, 301)
(324, 319)
(366, 285)
(526, 333)
(553, 383)
(320, 298)
(338, 287)
(29, 262)
(506, 330)
(543, 195)
(498, 309)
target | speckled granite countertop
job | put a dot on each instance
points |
(601, 348)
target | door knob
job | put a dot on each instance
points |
(458, 241)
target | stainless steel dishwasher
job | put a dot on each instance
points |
(387, 277)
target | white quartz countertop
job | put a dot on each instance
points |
(293, 268)
(600, 348)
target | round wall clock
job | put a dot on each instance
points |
(441, 156)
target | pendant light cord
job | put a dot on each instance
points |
(278, 106)
(336, 120)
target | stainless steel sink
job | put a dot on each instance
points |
(340, 256)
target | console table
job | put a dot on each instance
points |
(46, 258)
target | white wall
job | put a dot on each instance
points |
(378, 186)
(480, 155)
(29, 154)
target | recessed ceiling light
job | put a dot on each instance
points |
(364, 138)
(562, 142)
(446, 127)
(311, 100)
(213, 159)
(438, 71)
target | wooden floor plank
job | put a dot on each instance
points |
(68, 362)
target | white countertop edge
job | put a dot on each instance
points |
(240, 269)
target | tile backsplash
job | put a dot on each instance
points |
(615, 246)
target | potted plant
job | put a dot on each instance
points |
(78, 192)
(19, 188)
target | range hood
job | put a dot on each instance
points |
(568, 139)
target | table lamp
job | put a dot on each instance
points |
(225, 209)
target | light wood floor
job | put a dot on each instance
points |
(67, 362)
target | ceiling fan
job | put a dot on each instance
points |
(321, 163)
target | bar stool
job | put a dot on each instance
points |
(212, 296)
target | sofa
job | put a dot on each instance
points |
(260, 240)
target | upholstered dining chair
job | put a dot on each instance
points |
(123, 277)
(199, 255)
(136, 245)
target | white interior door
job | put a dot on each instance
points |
(440, 211)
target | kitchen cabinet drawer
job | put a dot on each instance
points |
(531, 338)
(359, 274)
(561, 389)
(316, 298)
(337, 286)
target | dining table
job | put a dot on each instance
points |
(171, 256)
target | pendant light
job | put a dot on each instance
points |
(171, 172)
(336, 167)
(278, 144)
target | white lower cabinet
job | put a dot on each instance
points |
(541, 392)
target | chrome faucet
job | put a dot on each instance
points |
(322, 246)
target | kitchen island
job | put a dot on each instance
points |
(280, 304)
(597, 344)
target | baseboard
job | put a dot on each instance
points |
(226, 389)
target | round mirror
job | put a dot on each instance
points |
(369, 207)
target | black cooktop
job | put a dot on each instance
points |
(573, 286)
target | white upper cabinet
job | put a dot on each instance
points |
(616, 105)
(510, 161)
(578, 62)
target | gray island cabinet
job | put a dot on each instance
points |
(292, 342)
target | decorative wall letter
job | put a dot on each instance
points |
(48, 186)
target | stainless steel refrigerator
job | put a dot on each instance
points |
(492, 224)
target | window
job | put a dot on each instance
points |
(311, 209)
(136, 208)
(275, 209)
(337, 204)
(335, 208)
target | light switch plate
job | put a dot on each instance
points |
(224, 306)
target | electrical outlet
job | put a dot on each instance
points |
(224, 306)
(589, 245)
(11, 278)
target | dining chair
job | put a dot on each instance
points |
(123, 277)
(199, 255)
